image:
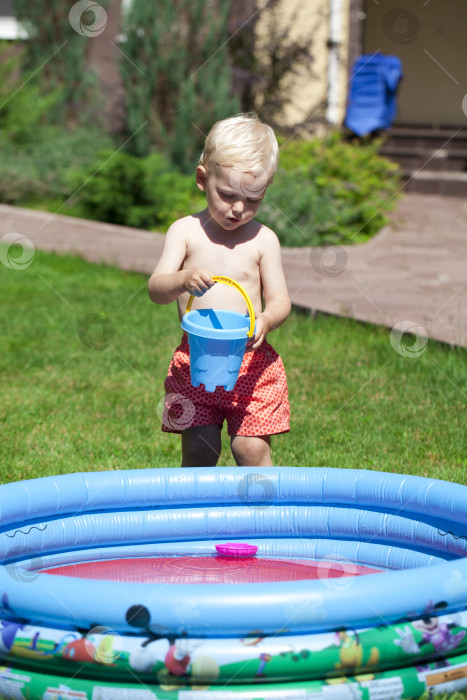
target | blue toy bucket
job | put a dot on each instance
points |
(217, 341)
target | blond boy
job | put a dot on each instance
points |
(238, 163)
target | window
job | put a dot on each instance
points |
(9, 26)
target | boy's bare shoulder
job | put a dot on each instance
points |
(180, 233)
(184, 224)
(267, 237)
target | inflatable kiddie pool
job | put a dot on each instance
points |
(324, 583)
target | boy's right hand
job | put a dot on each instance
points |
(197, 281)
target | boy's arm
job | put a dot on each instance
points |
(169, 280)
(276, 297)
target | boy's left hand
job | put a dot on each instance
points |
(262, 328)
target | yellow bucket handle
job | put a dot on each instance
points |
(232, 283)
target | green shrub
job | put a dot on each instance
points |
(329, 192)
(23, 105)
(325, 192)
(139, 192)
(35, 155)
(39, 166)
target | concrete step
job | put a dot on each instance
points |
(432, 161)
(452, 184)
(413, 158)
(431, 139)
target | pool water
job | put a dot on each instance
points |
(207, 569)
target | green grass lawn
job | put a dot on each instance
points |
(84, 354)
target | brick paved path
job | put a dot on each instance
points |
(413, 273)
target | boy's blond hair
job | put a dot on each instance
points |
(243, 142)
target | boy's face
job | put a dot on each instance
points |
(233, 196)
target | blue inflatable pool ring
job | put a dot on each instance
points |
(358, 585)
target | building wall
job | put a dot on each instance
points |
(430, 39)
(309, 90)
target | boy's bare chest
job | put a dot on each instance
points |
(240, 261)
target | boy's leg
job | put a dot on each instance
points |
(249, 451)
(201, 446)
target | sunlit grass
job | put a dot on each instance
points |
(84, 354)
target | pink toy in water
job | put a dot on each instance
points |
(237, 549)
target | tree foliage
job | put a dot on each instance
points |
(177, 76)
(55, 59)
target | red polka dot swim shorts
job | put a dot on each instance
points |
(258, 404)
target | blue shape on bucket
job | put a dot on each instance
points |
(217, 341)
